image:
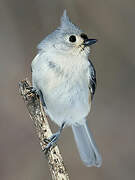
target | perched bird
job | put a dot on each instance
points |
(66, 80)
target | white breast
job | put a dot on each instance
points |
(65, 90)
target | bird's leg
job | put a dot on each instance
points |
(42, 99)
(53, 139)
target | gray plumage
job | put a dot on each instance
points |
(67, 80)
(86, 146)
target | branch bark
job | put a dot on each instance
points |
(36, 112)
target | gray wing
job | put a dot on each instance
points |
(92, 79)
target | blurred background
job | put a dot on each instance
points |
(23, 24)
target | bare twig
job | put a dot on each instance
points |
(55, 160)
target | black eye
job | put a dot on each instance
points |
(72, 38)
(84, 36)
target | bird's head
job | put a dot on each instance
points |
(68, 38)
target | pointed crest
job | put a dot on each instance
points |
(65, 22)
(65, 19)
(67, 25)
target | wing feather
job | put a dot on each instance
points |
(92, 79)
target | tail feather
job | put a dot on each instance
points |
(86, 146)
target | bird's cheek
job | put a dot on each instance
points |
(61, 47)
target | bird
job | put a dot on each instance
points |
(65, 79)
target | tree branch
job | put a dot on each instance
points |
(36, 112)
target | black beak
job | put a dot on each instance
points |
(89, 42)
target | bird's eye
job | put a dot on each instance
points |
(72, 38)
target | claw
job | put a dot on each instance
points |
(54, 137)
(46, 140)
(34, 90)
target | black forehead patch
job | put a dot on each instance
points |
(84, 36)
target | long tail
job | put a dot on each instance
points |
(86, 146)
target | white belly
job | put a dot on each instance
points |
(67, 101)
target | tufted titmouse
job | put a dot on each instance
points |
(66, 81)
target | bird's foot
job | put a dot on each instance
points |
(51, 141)
(34, 90)
(38, 93)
